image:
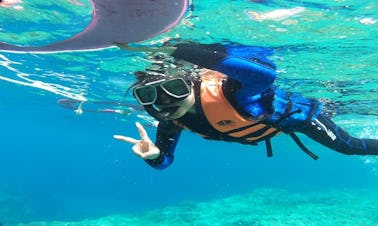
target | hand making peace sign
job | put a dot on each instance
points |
(144, 147)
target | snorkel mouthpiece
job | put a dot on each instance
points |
(161, 115)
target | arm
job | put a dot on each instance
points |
(160, 155)
(167, 136)
(246, 64)
(238, 62)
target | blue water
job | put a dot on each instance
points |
(57, 165)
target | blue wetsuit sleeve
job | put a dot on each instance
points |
(251, 69)
(253, 76)
(167, 136)
(254, 53)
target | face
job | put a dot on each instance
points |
(177, 108)
(172, 97)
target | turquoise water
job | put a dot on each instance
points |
(56, 165)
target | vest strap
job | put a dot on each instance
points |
(269, 150)
(301, 145)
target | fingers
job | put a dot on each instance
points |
(137, 151)
(142, 131)
(126, 139)
(150, 154)
(137, 144)
(143, 148)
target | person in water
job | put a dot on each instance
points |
(226, 93)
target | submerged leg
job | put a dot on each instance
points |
(327, 133)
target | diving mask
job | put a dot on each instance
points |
(148, 94)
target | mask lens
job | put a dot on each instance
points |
(145, 94)
(176, 88)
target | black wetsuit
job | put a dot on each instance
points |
(249, 88)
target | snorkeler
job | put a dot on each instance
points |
(226, 93)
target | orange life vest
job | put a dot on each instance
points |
(223, 117)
